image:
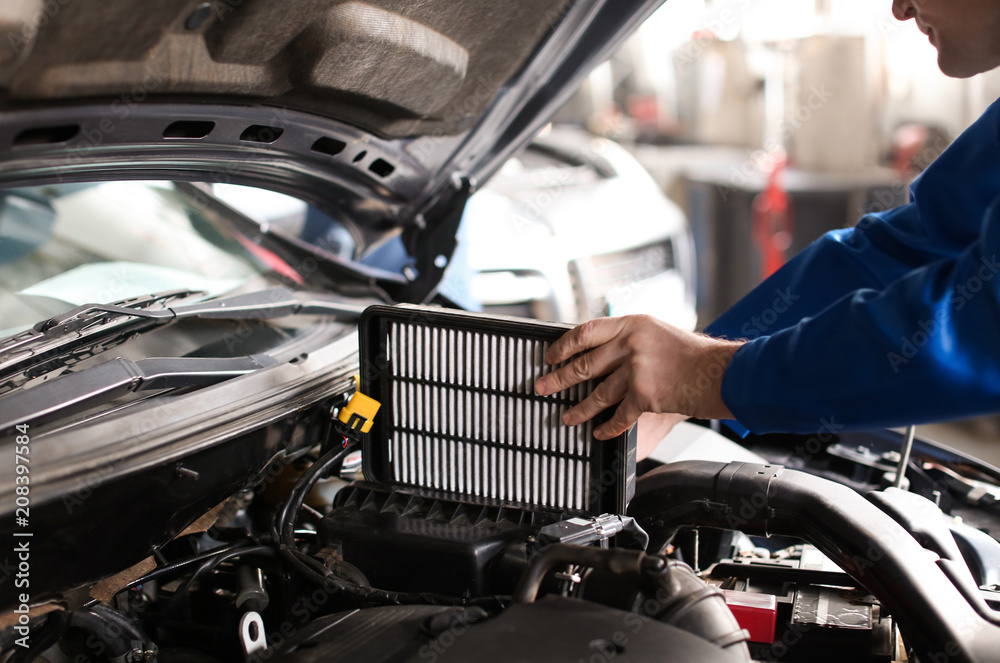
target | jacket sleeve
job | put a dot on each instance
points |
(894, 322)
(942, 219)
(925, 347)
(881, 249)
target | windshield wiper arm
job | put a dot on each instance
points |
(272, 303)
(105, 382)
(92, 323)
(64, 340)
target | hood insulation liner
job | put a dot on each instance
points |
(459, 414)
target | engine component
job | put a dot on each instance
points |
(864, 541)
(809, 610)
(904, 458)
(757, 613)
(422, 543)
(981, 551)
(464, 462)
(253, 598)
(359, 411)
(646, 585)
(524, 632)
(252, 595)
(582, 531)
(460, 414)
(109, 634)
(252, 634)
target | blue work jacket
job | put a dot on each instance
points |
(893, 322)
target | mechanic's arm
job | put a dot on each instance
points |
(943, 218)
(884, 247)
(880, 250)
(924, 348)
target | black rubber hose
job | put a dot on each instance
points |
(682, 599)
(692, 605)
(123, 623)
(348, 572)
(213, 562)
(933, 615)
(118, 641)
(283, 529)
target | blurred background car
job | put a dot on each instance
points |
(574, 228)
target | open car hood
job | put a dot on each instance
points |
(386, 112)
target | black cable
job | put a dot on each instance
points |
(283, 532)
(212, 563)
(283, 529)
(177, 566)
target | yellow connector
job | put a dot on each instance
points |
(359, 411)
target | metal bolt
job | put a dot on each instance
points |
(185, 472)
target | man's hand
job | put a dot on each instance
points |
(650, 367)
(652, 429)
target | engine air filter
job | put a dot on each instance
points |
(460, 414)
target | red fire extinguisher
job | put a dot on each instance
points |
(772, 221)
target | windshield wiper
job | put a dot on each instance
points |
(103, 326)
(105, 382)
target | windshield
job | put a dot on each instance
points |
(65, 245)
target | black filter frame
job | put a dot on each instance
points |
(611, 463)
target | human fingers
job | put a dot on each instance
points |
(599, 361)
(609, 392)
(584, 337)
(628, 413)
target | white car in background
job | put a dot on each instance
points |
(574, 228)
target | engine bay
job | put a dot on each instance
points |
(437, 510)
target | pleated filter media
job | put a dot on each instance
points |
(459, 414)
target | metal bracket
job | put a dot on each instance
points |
(252, 635)
(428, 243)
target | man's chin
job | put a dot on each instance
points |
(963, 68)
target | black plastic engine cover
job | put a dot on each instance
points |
(553, 630)
(422, 543)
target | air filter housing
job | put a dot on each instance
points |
(460, 415)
